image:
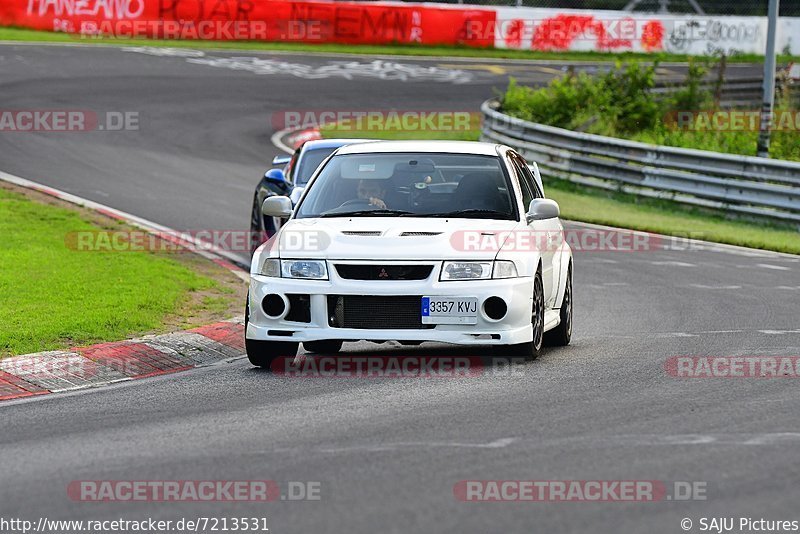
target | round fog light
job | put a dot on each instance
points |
(495, 308)
(273, 305)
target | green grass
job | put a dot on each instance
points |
(579, 203)
(18, 34)
(55, 297)
(663, 217)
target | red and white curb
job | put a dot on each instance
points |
(289, 139)
(106, 363)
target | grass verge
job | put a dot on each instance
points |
(56, 297)
(664, 217)
(579, 203)
(19, 34)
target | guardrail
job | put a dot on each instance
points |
(743, 185)
(737, 92)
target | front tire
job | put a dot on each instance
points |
(561, 335)
(533, 349)
(264, 353)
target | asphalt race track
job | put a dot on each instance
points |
(388, 452)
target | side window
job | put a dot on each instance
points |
(524, 182)
(529, 178)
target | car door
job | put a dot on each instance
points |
(547, 233)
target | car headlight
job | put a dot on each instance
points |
(477, 270)
(308, 269)
(466, 270)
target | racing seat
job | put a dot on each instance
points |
(401, 184)
(479, 190)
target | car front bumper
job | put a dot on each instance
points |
(514, 327)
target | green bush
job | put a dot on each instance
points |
(692, 96)
(620, 103)
(630, 105)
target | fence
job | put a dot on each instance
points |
(743, 185)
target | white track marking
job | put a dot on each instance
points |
(378, 69)
(779, 332)
(767, 438)
(773, 267)
(496, 444)
(673, 263)
(277, 139)
(702, 286)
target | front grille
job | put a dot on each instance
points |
(375, 313)
(384, 272)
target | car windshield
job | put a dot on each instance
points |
(411, 185)
(309, 163)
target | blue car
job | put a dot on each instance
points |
(289, 181)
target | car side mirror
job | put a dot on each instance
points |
(541, 209)
(277, 206)
(276, 176)
(283, 159)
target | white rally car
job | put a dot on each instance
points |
(413, 241)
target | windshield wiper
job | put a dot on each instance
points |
(469, 214)
(362, 213)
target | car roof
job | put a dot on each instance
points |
(447, 147)
(331, 143)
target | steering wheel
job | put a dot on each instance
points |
(357, 202)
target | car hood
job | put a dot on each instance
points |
(391, 238)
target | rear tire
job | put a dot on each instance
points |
(263, 353)
(326, 346)
(561, 335)
(533, 349)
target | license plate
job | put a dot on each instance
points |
(449, 310)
